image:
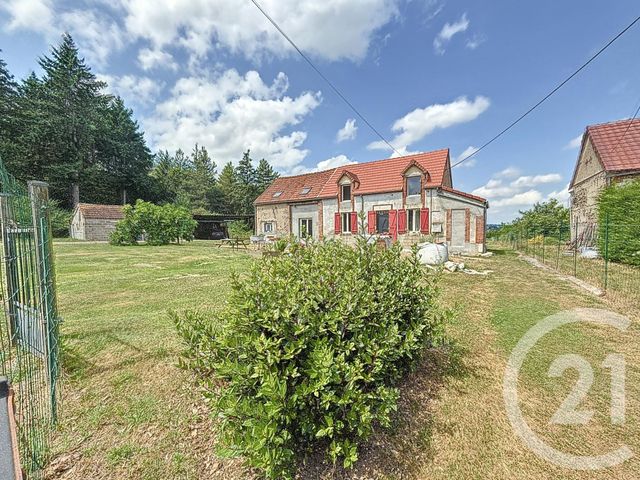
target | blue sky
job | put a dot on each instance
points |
(428, 74)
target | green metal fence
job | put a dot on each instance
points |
(29, 340)
(606, 256)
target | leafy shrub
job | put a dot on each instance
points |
(60, 219)
(309, 348)
(160, 225)
(238, 229)
(619, 207)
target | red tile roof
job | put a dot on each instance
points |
(617, 144)
(372, 177)
(464, 194)
(97, 211)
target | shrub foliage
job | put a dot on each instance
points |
(309, 348)
(160, 224)
(619, 207)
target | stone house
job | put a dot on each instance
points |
(405, 198)
(94, 222)
(610, 153)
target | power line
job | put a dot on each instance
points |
(626, 129)
(317, 70)
(558, 87)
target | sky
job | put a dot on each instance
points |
(427, 74)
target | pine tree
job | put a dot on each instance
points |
(201, 180)
(8, 111)
(247, 189)
(73, 103)
(265, 175)
(228, 187)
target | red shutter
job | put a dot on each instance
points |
(402, 221)
(337, 224)
(424, 220)
(371, 221)
(354, 222)
(393, 224)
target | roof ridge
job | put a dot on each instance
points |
(613, 122)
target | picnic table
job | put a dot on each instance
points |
(234, 243)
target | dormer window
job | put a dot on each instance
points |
(413, 185)
(346, 192)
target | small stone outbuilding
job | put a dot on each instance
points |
(94, 222)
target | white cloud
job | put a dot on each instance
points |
(574, 143)
(534, 180)
(475, 41)
(448, 31)
(348, 132)
(229, 113)
(96, 36)
(332, 29)
(150, 59)
(470, 150)
(333, 162)
(509, 172)
(561, 195)
(140, 90)
(415, 125)
(34, 15)
(519, 199)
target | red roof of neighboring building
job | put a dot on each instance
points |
(371, 177)
(617, 144)
(97, 211)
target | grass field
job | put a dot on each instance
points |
(130, 413)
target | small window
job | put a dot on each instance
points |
(413, 220)
(305, 228)
(277, 194)
(267, 227)
(382, 222)
(413, 185)
(346, 192)
(305, 190)
(346, 222)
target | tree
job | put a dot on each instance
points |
(8, 101)
(73, 103)
(228, 187)
(247, 188)
(265, 175)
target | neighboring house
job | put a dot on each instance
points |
(94, 222)
(610, 153)
(405, 197)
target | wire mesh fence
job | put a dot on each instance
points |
(29, 341)
(606, 256)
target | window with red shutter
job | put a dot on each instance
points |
(402, 221)
(371, 222)
(424, 220)
(354, 222)
(393, 224)
(336, 223)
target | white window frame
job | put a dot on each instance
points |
(269, 230)
(300, 222)
(413, 220)
(342, 187)
(345, 222)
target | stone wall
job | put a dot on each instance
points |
(98, 229)
(278, 214)
(590, 179)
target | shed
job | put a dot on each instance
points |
(94, 221)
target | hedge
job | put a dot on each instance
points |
(308, 351)
(619, 208)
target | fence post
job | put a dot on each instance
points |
(7, 220)
(575, 249)
(606, 251)
(543, 242)
(559, 243)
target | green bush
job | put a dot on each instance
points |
(238, 229)
(158, 224)
(619, 207)
(308, 351)
(60, 219)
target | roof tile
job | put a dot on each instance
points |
(97, 211)
(617, 144)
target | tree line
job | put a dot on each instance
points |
(63, 128)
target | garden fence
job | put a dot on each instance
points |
(29, 343)
(606, 256)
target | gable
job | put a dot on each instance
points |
(588, 163)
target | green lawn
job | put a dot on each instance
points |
(130, 413)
